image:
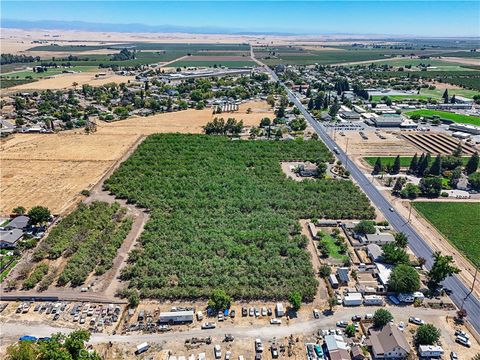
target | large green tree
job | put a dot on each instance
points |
(443, 266)
(404, 279)
(219, 300)
(427, 334)
(295, 299)
(39, 215)
(381, 317)
(472, 164)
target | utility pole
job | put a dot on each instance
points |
(410, 212)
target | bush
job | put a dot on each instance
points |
(295, 299)
(219, 300)
(365, 227)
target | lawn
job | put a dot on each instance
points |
(457, 118)
(333, 249)
(404, 160)
(224, 216)
(458, 222)
(437, 93)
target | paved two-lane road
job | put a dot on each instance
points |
(419, 247)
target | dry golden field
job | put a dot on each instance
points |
(52, 169)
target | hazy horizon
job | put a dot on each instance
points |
(388, 18)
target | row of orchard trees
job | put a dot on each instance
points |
(89, 238)
(225, 216)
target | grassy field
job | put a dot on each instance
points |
(21, 75)
(170, 47)
(404, 160)
(403, 97)
(229, 220)
(211, 63)
(437, 93)
(333, 249)
(457, 118)
(458, 222)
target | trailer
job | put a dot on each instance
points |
(373, 300)
(333, 281)
(279, 310)
(142, 348)
(176, 317)
(352, 299)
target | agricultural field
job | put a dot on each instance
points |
(437, 93)
(224, 215)
(328, 56)
(56, 167)
(458, 222)
(433, 64)
(404, 160)
(8, 83)
(88, 239)
(457, 118)
(27, 74)
(403, 97)
(213, 61)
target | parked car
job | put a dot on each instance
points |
(228, 355)
(232, 314)
(462, 333)
(269, 312)
(257, 312)
(417, 321)
(264, 311)
(244, 311)
(463, 341)
(274, 351)
(208, 325)
(356, 317)
(258, 345)
(275, 321)
(228, 338)
(342, 324)
(220, 317)
(217, 351)
(316, 313)
(199, 316)
(251, 312)
(453, 355)
(368, 316)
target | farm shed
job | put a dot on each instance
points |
(353, 299)
(176, 317)
(333, 281)
(379, 239)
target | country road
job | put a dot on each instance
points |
(461, 294)
(11, 330)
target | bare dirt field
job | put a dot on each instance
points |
(466, 61)
(394, 144)
(51, 169)
(65, 81)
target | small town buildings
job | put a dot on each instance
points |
(389, 343)
(313, 230)
(335, 342)
(374, 252)
(353, 299)
(387, 121)
(9, 238)
(466, 128)
(379, 238)
(357, 353)
(19, 222)
(342, 275)
(339, 354)
(383, 273)
(430, 351)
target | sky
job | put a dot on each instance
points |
(415, 18)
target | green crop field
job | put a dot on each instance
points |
(404, 160)
(437, 93)
(458, 118)
(225, 216)
(402, 97)
(50, 72)
(8, 83)
(458, 222)
(212, 63)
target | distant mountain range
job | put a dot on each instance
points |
(133, 28)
